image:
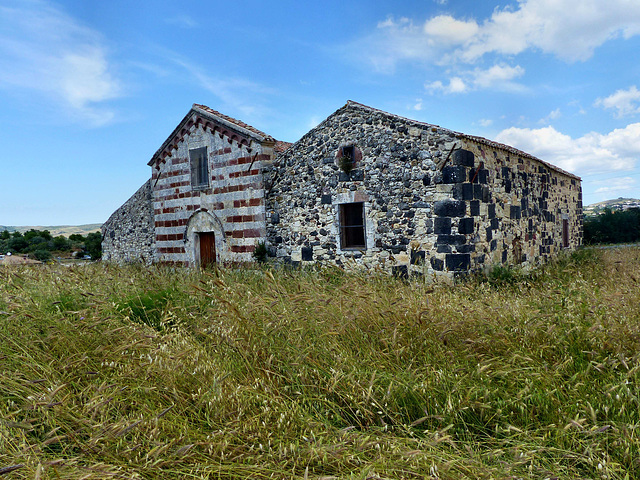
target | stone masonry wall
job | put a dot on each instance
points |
(128, 235)
(231, 206)
(436, 202)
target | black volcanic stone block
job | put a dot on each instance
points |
(400, 271)
(474, 207)
(467, 191)
(463, 157)
(417, 257)
(454, 174)
(465, 226)
(357, 175)
(442, 225)
(451, 239)
(307, 254)
(458, 261)
(467, 248)
(450, 208)
(325, 200)
(437, 264)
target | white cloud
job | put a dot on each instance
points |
(418, 105)
(568, 29)
(615, 185)
(590, 154)
(553, 115)
(485, 122)
(43, 49)
(456, 85)
(447, 30)
(497, 77)
(625, 102)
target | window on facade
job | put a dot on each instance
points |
(199, 167)
(352, 232)
(565, 233)
(348, 154)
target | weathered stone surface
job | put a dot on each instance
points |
(129, 236)
(424, 207)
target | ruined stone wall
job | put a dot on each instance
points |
(128, 235)
(431, 207)
(231, 206)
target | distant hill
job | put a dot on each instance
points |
(615, 204)
(57, 230)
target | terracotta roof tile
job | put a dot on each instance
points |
(281, 146)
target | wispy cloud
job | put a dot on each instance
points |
(592, 153)
(615, 185)
(44, 50)
(235, 94)
(624, 102)
(182, 21)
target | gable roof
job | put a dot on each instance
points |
(202, 112)
(474, 138)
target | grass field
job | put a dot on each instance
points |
(110, 372)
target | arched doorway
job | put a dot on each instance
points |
(204, 239)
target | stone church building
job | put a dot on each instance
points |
(364, 187)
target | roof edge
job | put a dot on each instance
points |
(475, 138)
(211, 114)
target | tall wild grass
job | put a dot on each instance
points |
(129, 372)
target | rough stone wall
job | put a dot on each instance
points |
(128, 235)
(431, 207)
(231, 206)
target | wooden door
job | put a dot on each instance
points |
(207, 249)
(565, 233)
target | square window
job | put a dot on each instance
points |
(352, 226)
(199, 167)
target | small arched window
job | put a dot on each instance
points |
(348, 157)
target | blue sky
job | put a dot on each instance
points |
(89, 90)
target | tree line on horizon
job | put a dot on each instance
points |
(607, 227)
(612, 227)
(41, 245)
